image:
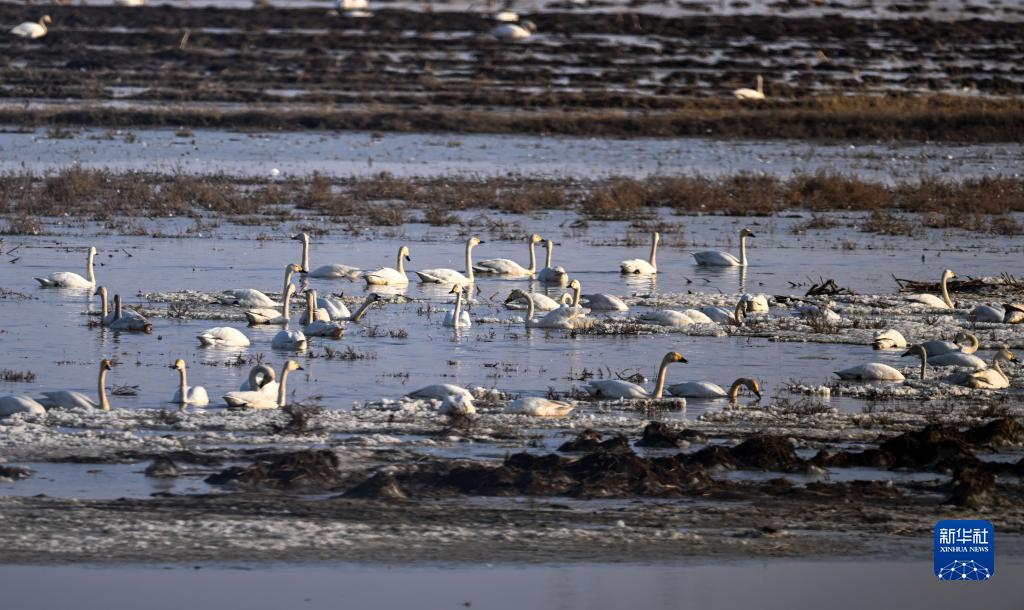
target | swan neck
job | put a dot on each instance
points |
(529, 308)
(89, 266)
(945, 292)
(973, 344)
(737, 314)
(287, 303)
(659, 388)
(469, 261)
(654, 253)
(102, 389)
(358, 315)
(305, 253)
(576, 295)
(995, 365)
(743, 251)
(533, 259)
(401, 263)
(183, 384)
(310, 308)
(280, 388)
(550, 247)
(458, 308)
(924, 363)
(105, 306)
(117, 308)
(734, 390)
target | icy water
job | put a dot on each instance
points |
(363, 153)
(781, 584)
(48, 332)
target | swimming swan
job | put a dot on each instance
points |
(872, 371)
(326, 271)
(32, 29)
(68, 279)
(257, 399)
(706, 389)
(457, 317)
(386, 276)
(549, 274)
(991, 378)
(267, 315)
(319, 327)
(748, 94)
(508, 267)
(128, 320)
(291, 340)
(564, 317)
(69, 399)
(541, 302)
(933, 301)
(451, 276)
(617, 388)
(641, 266)
(724, 259)
(223, 336)
(185, 395)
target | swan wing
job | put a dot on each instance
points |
(873, 371)
(335, 271)
(697, 389)
(9, 405)
(442, 276)
(500, 266)
(385, 276)
(698, 317)
(615, 388)
(539, 407)
(637, 266)
(67, 399)
(64, 279)
(716, 259)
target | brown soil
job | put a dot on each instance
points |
(597, 74)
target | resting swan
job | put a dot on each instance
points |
(325, 271)
(512, 32)
(69, 399)
(68, 279)
(706, 389)
(318, 326)
(223, 336)
(1014, 313)
(641, 266)
(541, 302)
(724, 316)
(451, 276)
(261, 378)
(185, 395)
(666, 317)
(539, 407)
(386, 276)
(992, 378)
(755, 303)
(617, 388)
(32, 29)
(258, 399)
(20, 403)
(748, 94)
(988, 313)
(508, 267)
(272, 316)
(128, 320)
(457, 317)
(872, 371)
(549, 274)
(724, 259)
(441, 391)
(933, 301)
(888, 339)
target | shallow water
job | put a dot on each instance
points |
(783, 584)
(363, 154)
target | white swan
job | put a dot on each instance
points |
(185, 395)
(511, 31)
(223, 336)
(988, 313)
(313, 312)
(724, 259)
(706, 389)
(888, 339)
(250, 297)
(536, 406)
(291, 340)
(336, 271)
(641, 266)
(602, 302)
(1014, 313)
(351, 5)
(698, 317)
(457, 317)
(617, 388)
(32, 29)
(69, 399)
(68, 279)
(128, 320)
(335, 308)
(958, 359)
(755, 303)
(933, 301)
(872, 371)
(745, 93)
(258, 399)
(451, 276)
(440, 391)
(268, 315)
(666, 317)
(386, 276)
(723, 315)
(991, 378)
(541, 302)
(106, 315)
(505, 16)
(261, 378)
(549, 274)
(20, 403)
(508, 267)
(320, 327)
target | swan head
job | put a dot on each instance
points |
(291, 365)
(474, 241)
(404, 252)
(293, 267)
(948, 274)
(46, 19)
(656, 237)
(536, 239)
(753, 385)
(529, 26)
(747, 233)
(303, 237)
(92, 249)
(674, 357)
(915, 350)
(106, 364)
(374, 297)
(549, 244)
(566, 299)
(575, 285)
(1014, 306)
(179, 365)
(517, 294)
(1006, 354)
(100, 290)
(456, 289)
(117, 299)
